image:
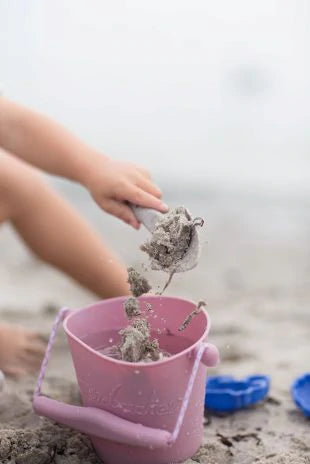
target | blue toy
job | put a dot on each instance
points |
(301, 393)
(226, 394)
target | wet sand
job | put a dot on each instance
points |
(254, 274)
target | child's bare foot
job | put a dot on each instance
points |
(21, 351)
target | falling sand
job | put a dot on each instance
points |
(136, 344)
(138, 284)
(169, 242)
(132, 307)
(50, 443)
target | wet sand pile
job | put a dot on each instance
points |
(28, 439)
(48, 444)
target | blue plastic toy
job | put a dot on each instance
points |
(301, 393)
(226, 394)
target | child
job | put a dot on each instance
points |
(49, 225)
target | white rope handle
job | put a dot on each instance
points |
(187, 395)
(59, 318)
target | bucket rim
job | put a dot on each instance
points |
(186, 351)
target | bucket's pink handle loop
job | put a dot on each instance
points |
(101, 424)
(209, 355)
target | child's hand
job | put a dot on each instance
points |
(48, 146)
(21, 352)
(113, 183)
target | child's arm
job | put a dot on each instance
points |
(48, 146)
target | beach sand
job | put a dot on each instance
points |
(254, 273)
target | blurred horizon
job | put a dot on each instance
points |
(207, 95)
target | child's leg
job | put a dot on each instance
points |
(55, 232)
(21, 351)
(58, 235)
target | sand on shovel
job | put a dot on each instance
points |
(170, 239)
(138, 284)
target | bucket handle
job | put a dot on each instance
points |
(103, 424)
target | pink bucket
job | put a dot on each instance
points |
(135, 413)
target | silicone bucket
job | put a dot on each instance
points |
(135, 413)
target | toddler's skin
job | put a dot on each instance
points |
(48, 224)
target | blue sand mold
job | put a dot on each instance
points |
(301, 393)
(226, 394)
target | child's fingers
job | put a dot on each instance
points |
(139, 197)
(14, 371)
(143, 171)
(122, 211)
(149, 187)
(41, 339)
(36, 349)
(30, 361)
(35, 336)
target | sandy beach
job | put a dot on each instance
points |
(254, 273)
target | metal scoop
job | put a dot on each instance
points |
(149, 217)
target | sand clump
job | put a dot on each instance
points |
(132, 307)
(132, 344)
(212, 453)
(170, 239)
(46, 445)
(138, 284)
(143, 326)
(137, 345)
(194, 313)
(26, 438)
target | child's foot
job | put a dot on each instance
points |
(21, 351)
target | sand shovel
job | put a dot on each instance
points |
(149, 217)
